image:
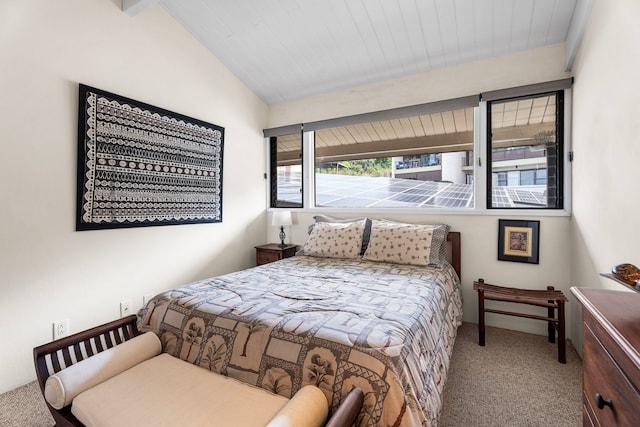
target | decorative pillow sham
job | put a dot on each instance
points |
(335, 240)
(438, 252)
(415, 244)
(365, 235)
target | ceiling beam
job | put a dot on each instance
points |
(443, 143)
(286, 159)
(133, 7)
(521, 133)
(581, 15)
(404, 152)
(395, 147)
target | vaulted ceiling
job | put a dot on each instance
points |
(290, 49)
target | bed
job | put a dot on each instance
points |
(338, 315)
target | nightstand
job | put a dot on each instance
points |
(274, 252)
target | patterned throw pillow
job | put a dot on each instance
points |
(335, 240)
(402, 243)
(438, 255)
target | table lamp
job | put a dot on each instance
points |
(281, 218)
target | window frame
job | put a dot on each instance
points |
(273, 172)
(560, 143)
(480, 174)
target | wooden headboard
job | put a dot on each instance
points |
(453, 251)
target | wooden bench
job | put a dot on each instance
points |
(550, 298)
(53, 357)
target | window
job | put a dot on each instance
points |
(427, 157)
(525, 152)
(286, 170)
(419, 161)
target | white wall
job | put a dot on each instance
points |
(605, 229)
(479, 232)
(47, 270)
(532, 66)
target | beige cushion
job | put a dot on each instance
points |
(308, 407)
(61, 388)
(167, 391)
(335, 240)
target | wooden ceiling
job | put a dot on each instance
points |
(437, 132)
(514, 123)
(290, 49)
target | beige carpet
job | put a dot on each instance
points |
(24, 407)
(514, 381)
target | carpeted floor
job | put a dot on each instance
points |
(515, 381)
(24, 407)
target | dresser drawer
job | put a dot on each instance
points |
(587, 414)
(603, 378)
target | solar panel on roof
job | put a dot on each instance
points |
(357, 191)
(417, 199)
(527, 197)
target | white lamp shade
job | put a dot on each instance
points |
(281, 218)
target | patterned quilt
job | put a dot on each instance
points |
(386, 328)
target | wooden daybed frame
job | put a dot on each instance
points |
(116, 332)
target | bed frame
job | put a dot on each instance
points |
(453, 251)
(52, 357)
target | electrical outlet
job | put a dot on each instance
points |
(125, 308)
(60, 329)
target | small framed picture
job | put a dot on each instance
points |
(518, 240)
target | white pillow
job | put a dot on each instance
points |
(61, 388)
(402, 243)
(335, 240)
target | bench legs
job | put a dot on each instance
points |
(550, 313)
(562, 343)
(559, 325)
(481, 329)
(551, 299)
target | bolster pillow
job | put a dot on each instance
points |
(61, 388)
(308, 407)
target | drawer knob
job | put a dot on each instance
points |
(601, 402)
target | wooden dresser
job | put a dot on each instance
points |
(610, 357)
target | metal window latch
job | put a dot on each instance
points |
(571, 156)
(479, 162)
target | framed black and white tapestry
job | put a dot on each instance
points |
(140, 165)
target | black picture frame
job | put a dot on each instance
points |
(141, 165)
(518, 241)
